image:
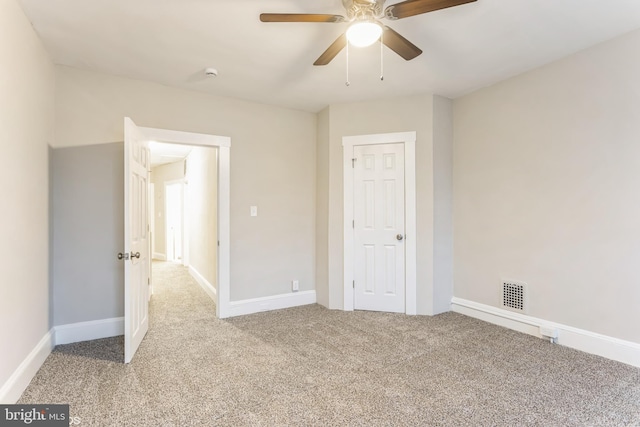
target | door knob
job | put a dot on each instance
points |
(136, 255)
(399, 237)
(123, 256)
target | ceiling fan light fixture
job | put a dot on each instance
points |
(364, 33)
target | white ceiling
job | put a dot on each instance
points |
(172, 41)
(163, 152)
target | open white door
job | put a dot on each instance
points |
(136, 238)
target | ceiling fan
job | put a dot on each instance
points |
(365, 28)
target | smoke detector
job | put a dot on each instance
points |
(211, 72)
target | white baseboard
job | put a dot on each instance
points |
(85, 331)
(275, 302)
(159, 256)
(11, 390)
(204, 284)
(590, 342)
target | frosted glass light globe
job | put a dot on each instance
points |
(362, 34)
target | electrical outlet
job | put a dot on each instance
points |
(295, 285)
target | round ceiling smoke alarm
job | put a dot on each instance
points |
(211, 72)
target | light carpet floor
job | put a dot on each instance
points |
(312, 366)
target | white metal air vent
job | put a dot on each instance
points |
(514, 295)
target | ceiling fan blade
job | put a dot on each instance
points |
(399, 44)
(299, 17)
(417, 7)
(332, 51)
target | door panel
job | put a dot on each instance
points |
(378, 220)
(136, 236)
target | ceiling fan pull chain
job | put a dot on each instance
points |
(347, 82)
(382, 56)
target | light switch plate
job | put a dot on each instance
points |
(254, 211)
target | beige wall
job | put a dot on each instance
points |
(26, 129)
(442, 204)
(414, 113)
(88, 233)
(159, 176)
(322, 209)
(272, 165)
(547, 189)
(202, 215)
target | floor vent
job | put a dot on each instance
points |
(514, 295)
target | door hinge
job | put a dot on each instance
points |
(354, 284)
(353, 162)
(148, 281)
(218, 242)
(353, 223)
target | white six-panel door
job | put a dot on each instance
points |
(379, 254)
(136, 237)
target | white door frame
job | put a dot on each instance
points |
(166, 223)
(185, 222)
(223, 144)
(409, 141)
(152, 232)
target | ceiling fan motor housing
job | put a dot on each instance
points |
(363, 9)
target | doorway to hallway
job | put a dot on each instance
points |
(137, 281)
(185, 180)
